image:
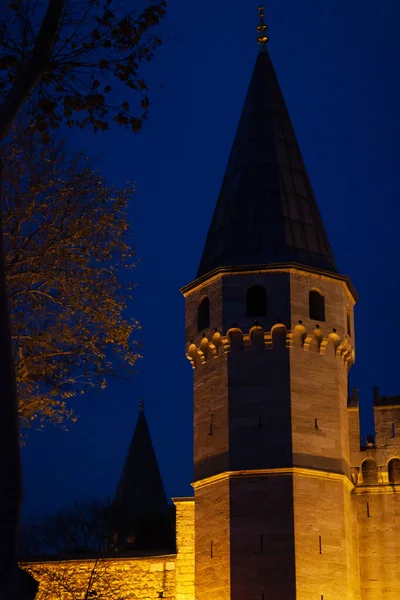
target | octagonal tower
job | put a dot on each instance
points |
(270, 336)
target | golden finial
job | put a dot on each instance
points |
(262, 37)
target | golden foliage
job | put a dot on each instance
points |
(69, 261)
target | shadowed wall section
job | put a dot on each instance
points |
(262, 538)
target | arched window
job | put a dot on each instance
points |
(203, 314)
(369, 471)
(316, 303)
(394, 470)
(256, 301)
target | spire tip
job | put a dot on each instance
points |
(262, 37)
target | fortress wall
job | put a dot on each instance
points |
(212, 541)
(378, 506)
(378, 511)
(184, 564)
(386, 446)
(352, 543)
(143, 578)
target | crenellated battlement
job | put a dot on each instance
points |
(212, 345)
(378, 471)
(375, 460)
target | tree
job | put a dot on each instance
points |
(76, 537)
(80, 528)
(71, 59)
(68, 259)
(95, 528)
(56, 54)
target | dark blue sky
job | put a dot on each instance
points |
(338, 63)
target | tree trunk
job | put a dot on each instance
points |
(12, 581)
(34, 69)
(10, 467)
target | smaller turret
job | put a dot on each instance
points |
(140, 514)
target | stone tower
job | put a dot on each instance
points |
(269, 332)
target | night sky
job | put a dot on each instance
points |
(338, 65)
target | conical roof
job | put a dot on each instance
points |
(140, 489)
(266, 211)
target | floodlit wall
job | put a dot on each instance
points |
(144, 578)
(184, 564)
(377, 480)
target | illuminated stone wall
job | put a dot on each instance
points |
(325, 537)
(319, 375)
(111, 579)
(324, 517)
(184, 564)
(378, 504)
(212, 542)
(379, 539)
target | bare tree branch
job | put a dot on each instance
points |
(34, 68)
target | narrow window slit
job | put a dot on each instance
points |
(261, 542)
(320, 544)
(393, 430)
(211, 549)
(316, 424)
(368, 514)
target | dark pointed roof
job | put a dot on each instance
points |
(140, 488)
(266, 212)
